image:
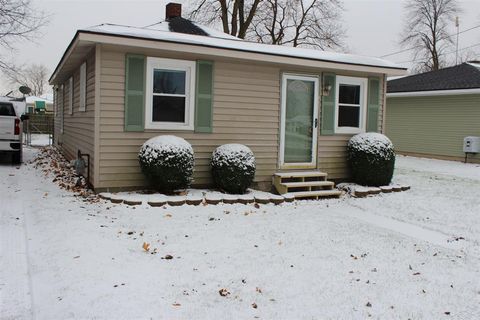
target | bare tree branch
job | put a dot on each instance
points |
(19, 21)
(426, 29)
(33, 76)
(308, 23)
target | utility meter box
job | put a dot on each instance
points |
(471, 145)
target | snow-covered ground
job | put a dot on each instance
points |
(40, 140)
(413, 254)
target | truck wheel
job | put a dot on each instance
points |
(17, 157)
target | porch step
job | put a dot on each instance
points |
(309, 184)
(305, 184)
(317, 194)
(300, 174)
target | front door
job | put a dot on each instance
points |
(298, 141)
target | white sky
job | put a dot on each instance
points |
(373, 26)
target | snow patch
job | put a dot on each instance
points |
(237, 154)
(167, 144)
(373, 143)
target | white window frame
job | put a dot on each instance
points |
(363, 83)
(175, 65)
(70, 96)
(83, 87)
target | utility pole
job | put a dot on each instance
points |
(457, 24)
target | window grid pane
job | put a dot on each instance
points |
(168, 109)
(348, 116)
(169, 81)
(349, 94)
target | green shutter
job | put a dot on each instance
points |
(134, 92)
(204, 97)
(328, 105)
(373, 104)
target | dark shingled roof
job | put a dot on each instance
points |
(463, 76)
(182, 25)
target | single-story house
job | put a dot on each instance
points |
(117, 86)
(430, 114)
(38, 104)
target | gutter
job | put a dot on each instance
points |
(67, 52)
(237, 50)
(79, 33)
(434, 93)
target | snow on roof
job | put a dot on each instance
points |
(221, 40)
(475, 64)
(32, 99)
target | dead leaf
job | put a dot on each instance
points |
(146, 246)
(368, 304)
(176, 304)
(168, 257)
(168, 215)
(256, 205)
(223, 292)
(416, 273)
(254, 305)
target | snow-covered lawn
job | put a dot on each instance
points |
(413, 254)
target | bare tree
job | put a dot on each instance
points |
(33, 76)
(235, 15)
(426, 30)
(312, 23)
(18, 21)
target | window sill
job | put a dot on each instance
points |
(168, 127)
(347, 131)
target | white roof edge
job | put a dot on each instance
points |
(220, 52)
(241, 45)
(434, 93)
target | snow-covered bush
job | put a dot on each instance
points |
(233, 167)
(167, 162)
(371, 158)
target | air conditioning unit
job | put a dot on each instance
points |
(471, 145)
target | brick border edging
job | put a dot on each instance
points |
(203, 200)
(383, 189)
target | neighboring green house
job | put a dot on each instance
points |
(39, 104)
(430, 114)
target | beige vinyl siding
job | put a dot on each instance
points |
(332, 149)
(433, 126)
(78, 133)
(245, 110)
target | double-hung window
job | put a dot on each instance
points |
(351, 105)
(170, 96)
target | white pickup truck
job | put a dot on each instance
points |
(11, 117)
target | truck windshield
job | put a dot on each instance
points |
(6, 109)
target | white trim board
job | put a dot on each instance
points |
(434, 93)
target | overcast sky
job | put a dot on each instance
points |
(373, 26)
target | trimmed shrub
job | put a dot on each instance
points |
(167, 163)
(371, 158)
(233, 167)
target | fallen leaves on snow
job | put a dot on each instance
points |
(223, 292)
